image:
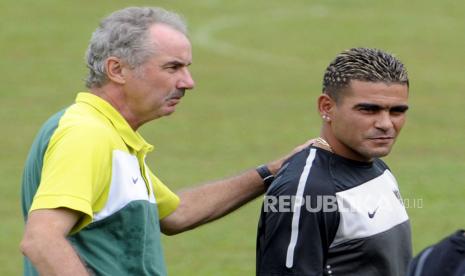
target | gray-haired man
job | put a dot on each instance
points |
(91, 203)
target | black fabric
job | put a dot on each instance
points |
(314, 253)
(446, 258)
(274, 227)
(380, 254)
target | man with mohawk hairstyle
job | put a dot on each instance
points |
(335, 208)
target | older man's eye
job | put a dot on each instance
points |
(172, 68)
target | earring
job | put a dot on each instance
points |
(325, 117)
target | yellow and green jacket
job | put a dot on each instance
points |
(87, 158)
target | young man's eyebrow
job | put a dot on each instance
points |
(370, 106)
(400, 108)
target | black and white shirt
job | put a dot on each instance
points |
(328, 215)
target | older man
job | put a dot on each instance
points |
(335, 208)
(91, 204)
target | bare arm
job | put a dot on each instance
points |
(45, 244)
(213, 200)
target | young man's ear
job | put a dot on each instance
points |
(114, 69)
(325, 107)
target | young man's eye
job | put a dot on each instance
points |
(368, 110)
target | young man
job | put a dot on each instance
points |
(335, 208)
(91, 204)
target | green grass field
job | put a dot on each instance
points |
(258, 67)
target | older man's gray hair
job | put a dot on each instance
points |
(123, 34)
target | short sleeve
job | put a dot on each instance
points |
(167, 201)
(294, 239)
(76, 171)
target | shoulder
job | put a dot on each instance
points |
(81, 141)
(310, 168)
(78, 127)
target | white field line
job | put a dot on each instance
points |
(204, 35)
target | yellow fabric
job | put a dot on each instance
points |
(78, 161)
(165, 201)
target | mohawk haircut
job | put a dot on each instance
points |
(363, 64)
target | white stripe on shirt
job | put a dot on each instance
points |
(297, 207)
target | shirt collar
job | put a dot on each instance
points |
(132, 138)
